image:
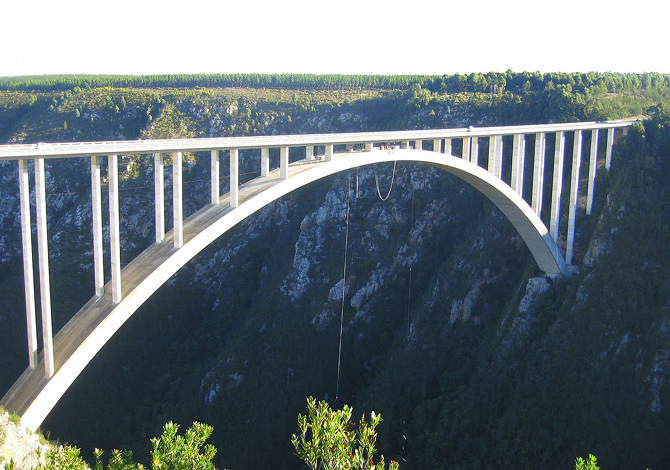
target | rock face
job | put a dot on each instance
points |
(19, 445)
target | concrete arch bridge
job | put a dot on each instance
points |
(512, 173)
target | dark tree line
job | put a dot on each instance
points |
(492, 82)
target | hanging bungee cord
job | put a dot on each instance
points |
(344, 283)
(390, 187)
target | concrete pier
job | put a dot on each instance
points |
(518, 163)
(474, 150)
(538, 173)
(177, 200)
(557, 185)
(28, 277)
(234, 177)
(114, 226)
(214, 185)
(159, 196)
(574, 196)
(593, 167)
(96, 218)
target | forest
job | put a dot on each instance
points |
(468, 366)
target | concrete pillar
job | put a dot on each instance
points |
(474, 150)
(610, 145)
(329, 153)
(418, 144)
(538, 173)
(43, 257)
(234, 177)
(437, 145)
(215, 190)
(447, 146)
(96, 217)
(177, 200)
(557, 187)
(283, 163)
(495, 155)
(27, 247)
(465, 153)
(159, 197)
(499, 156)
(574, 196)
(114, 223)
(265, 161)
(593, 166)
(309, 152)
(369, 146)
(492, 155)
(518, 163)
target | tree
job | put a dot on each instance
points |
(328, 439)
(174, 452)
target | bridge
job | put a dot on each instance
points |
(513, 179)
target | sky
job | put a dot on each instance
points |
(434, 37)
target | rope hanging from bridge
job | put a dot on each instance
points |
(411, 253)
(390, 187)
(344, 283)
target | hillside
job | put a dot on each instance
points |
(474, 358)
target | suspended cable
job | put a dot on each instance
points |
(411, 254)
(357, 182)
(344, 283)
(390, 188)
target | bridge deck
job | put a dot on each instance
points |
(91, 315)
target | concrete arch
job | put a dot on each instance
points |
(33, 396)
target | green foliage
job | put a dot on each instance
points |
(329, 440)
(174, 452)
(170, 452)
(63, 458)
(590, 464)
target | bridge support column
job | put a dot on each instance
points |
(114, 232)
(265, 161)
(27, 247)
(177, 200)
(474, 150)
(447, 146)
(96, 217)
(538, 173)
(437, 145)
(557, 187)
(498, 156)
(43, 257)
(593, 166)
(214, 177)
(283, 163)
(329, 153)
(418, 145)
(309, 152)
(234, 177)
(610, 144)
(369, 146)
(518, 163)
(574, 196)
(495, 155)
(465, 152)
(159, 197)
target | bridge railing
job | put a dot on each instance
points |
(466, 143)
